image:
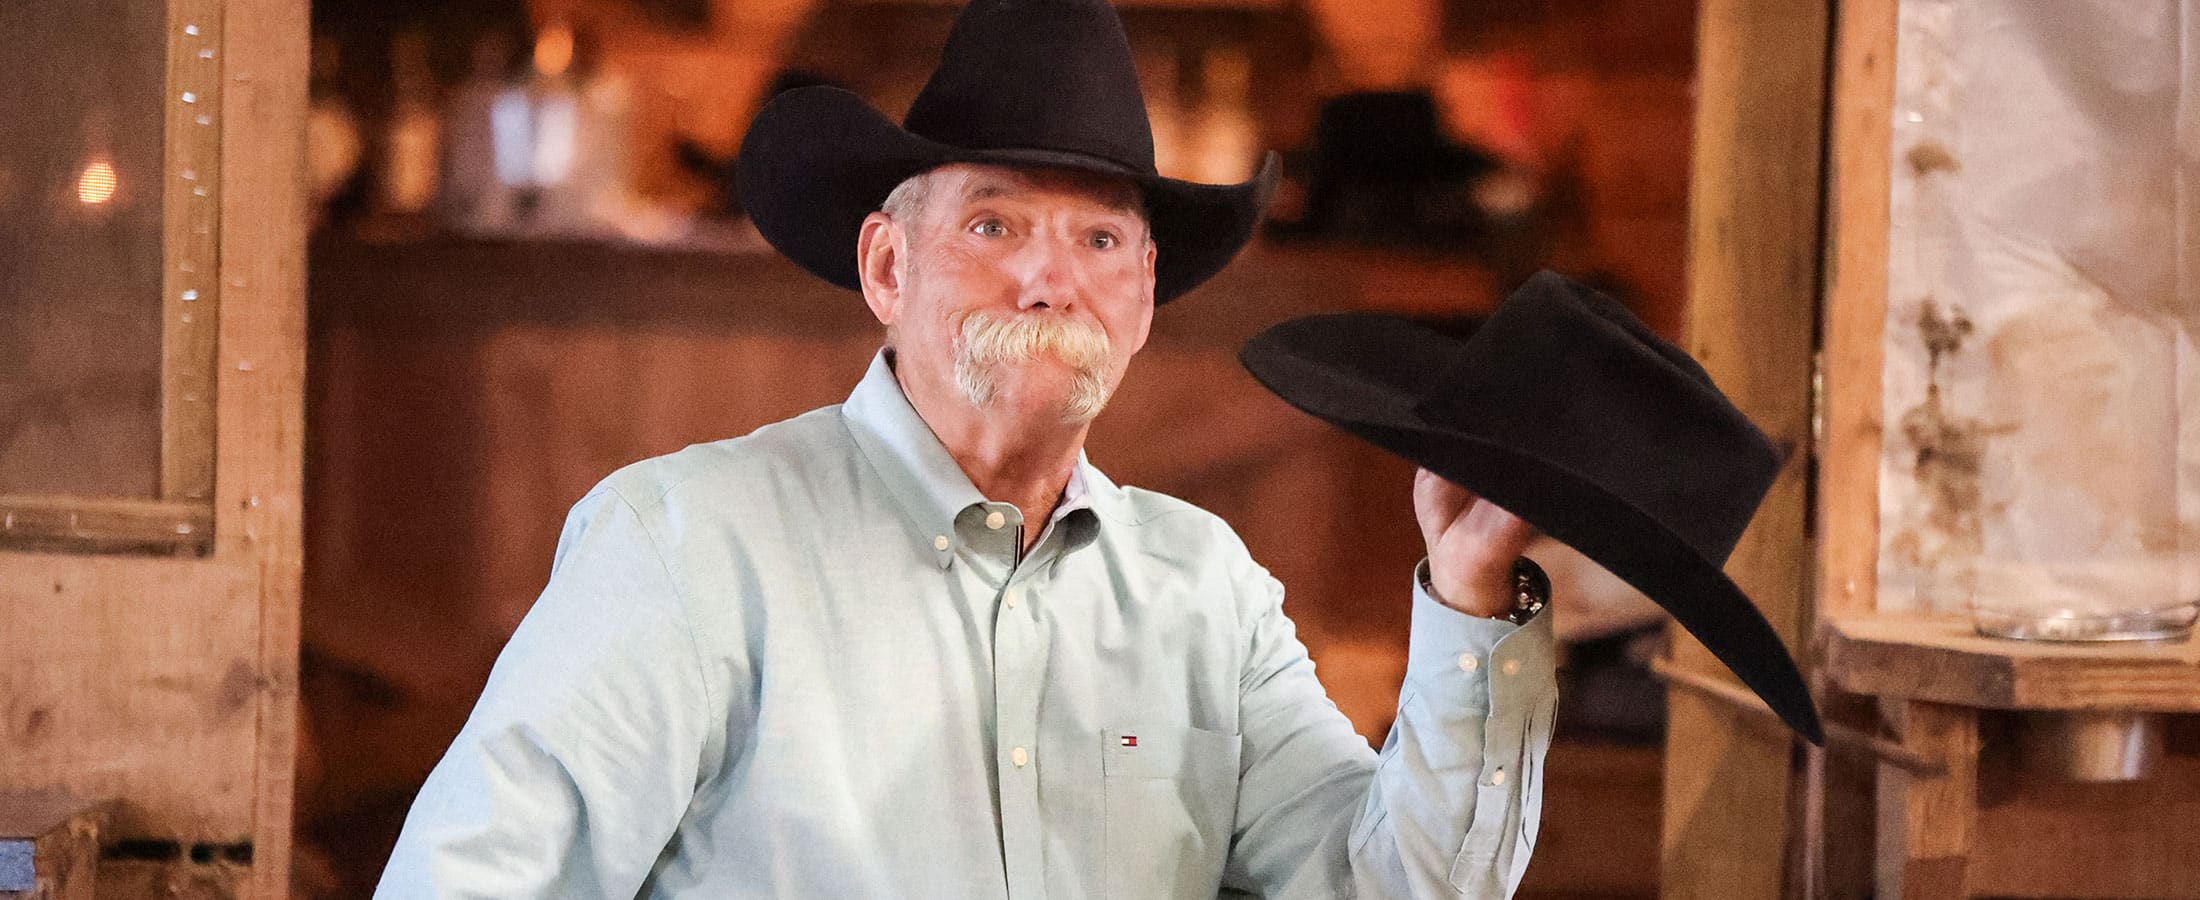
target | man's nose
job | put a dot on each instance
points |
(1051, 279)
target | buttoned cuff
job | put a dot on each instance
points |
(1452, 656)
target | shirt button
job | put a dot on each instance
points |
(940, 542)
(1511, 667)
(1468, 662)
(995, 520)
(1497, 777)
(1013, 597)
(1019, 756)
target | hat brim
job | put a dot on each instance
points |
(1373, 395)
(817, 160)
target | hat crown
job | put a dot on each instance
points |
(1051, 75)
(1568, 374)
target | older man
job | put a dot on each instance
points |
(915, 645)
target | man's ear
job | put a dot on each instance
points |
(1153, 253)
(879, 248)
(1145, 319)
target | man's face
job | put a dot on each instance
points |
(1026, 291)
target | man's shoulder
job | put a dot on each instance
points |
(1170, 521)
(787, 449)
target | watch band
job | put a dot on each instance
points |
(1531, 590)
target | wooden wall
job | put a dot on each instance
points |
(168, 685)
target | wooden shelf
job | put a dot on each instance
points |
(1940, 659)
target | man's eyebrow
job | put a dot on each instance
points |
(978, 189)
(987, 190)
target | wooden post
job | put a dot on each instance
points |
(1856, 305)
(1855, 310)
(1926, 823)
(1753, 272)
(262, 395)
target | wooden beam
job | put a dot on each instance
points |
(1856, 306)
(262, 386)
(1754, 219)
(1927, 823)
(1850, 326)
(82, 524)
(190, 251)
(1840, 738)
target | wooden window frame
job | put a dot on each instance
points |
(179, 520)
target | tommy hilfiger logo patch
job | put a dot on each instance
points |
(1130, 740)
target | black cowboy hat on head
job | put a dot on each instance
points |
(1565, 410)
(1045, 83)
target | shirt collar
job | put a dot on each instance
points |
(924, 479)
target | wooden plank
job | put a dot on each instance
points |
(1927, 823)
(1855, 312)
(1941, 658)
(132, 678)
(1852, 319)
(262, 388)
(114, 525)
(191, 198)
(1753, 275)
(2039, 837)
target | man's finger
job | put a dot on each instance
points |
(1437, 503)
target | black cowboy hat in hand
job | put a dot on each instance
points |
(1045, 83)
(1565, 410)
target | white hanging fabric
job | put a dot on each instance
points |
(2041, 453)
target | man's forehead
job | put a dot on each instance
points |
(975, 182)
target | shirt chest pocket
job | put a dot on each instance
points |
(1171, 794)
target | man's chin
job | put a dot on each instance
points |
(1040, 404)
(1048, 392)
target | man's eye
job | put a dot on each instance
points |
(990, 228)
(1102, 240)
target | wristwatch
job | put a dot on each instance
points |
(1531, 590)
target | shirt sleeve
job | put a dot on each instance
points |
(1450, 806)
(579, 760)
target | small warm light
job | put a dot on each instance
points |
(554, 50)
(97, 184)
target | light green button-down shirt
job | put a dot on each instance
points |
(811, 662)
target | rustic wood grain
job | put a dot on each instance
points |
(170, 684)
(1753, 291)
(262, 390)
(1927, 822)
(97, 524)
(132, 678)
(2043, 838)
(1855, 314)
(190, 247)
(1942, 659)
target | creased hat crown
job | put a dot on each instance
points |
(1038, 74)
(1559, 351)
